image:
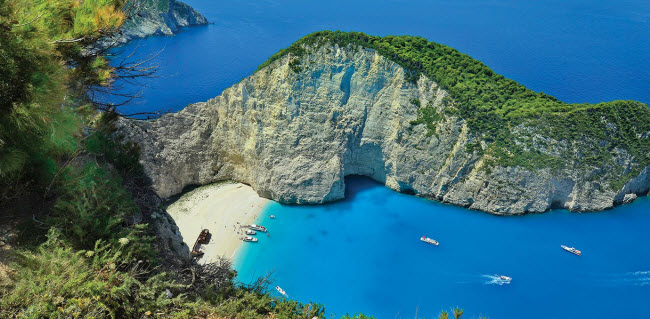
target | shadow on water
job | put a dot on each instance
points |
(357, 189)
(357, 184)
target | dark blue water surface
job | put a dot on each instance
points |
(575, 50)
(364, 254)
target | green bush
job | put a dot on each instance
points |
(57, 281)
(92, 205)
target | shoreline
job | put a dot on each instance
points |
(222, 208)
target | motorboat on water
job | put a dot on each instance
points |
(257, 227)
(571, 250)
(280, 290)
(250, 239)
(272, 216)
(504, 278)
(250, 232)
(429, 240)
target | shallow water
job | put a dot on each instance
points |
(364, 254)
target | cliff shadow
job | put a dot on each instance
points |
(357, 184)
(171, 199)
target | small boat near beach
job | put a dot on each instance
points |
(272, 216)
(250, 239)
(571, 250)
(250, 232)
(429, 240)
(281, 291)
(257, 228)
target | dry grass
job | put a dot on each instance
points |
(6, 258)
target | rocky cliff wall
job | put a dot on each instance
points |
(293, 132)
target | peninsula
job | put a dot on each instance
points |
(418, 116)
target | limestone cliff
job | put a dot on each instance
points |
(297, 127)
(157, 17)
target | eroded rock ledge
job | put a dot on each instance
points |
(294, 136)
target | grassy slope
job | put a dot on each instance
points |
(494, 106)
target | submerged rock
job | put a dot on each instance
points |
(293, 132)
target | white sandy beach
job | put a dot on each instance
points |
(221, 208)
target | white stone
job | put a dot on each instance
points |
(628, 198)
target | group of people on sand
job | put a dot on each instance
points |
(238, 229)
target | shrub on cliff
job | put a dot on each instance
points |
(58, 281)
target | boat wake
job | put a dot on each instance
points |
(494, 280)
(633, 278)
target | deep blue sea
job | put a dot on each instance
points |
(363, 253)
(576, 50)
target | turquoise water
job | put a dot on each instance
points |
(364, 254)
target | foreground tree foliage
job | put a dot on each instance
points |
(42, 58)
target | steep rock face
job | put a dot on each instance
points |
(293, 132)
(159, 17)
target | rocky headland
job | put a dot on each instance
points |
(156, 17)
(407, 113)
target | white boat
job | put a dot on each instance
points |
(428, 240)
(281, 291)
(250, 239)
(571, 250)
(257, 227)
(504, 278)
(251, 232)
(272, 216)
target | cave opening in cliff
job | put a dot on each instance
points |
(556, 204)
(408, 191)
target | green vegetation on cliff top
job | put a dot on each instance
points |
(499, 110)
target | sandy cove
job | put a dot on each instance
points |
(221, 208)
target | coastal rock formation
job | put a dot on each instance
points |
(158, 17)
(628, 198)
(295, 129)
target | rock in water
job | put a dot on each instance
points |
(294, 129)
(628, 198)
